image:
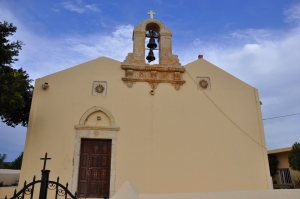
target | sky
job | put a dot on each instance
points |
(256, 41)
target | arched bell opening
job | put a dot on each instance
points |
(166, 68)
(153, 26)
(152, 43)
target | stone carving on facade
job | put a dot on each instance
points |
(203, 83)
(168, 70)
(99, 88)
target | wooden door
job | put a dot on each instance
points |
(94, 168)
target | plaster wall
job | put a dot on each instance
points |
(127, 190)
(9, 176)
(172, 142)
(7, 191)
(257, 194)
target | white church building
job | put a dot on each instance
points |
(160, 128)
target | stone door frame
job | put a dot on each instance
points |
(95, 132)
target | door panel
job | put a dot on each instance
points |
(94, 171)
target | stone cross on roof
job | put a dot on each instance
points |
(151, 13)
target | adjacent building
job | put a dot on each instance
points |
(285, 177)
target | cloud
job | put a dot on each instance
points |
(69, 6)
(116, 45)
(92, 7)
(79, 7)
(268, 60)
(293, 14)
(43, 55)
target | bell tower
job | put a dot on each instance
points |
(138, 69)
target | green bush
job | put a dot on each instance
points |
(273, 164)
(14, 184)
(1, 184)
(2, 158)
(294, 157)
(297, 182)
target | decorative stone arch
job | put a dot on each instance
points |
(95, 132)
(142, 26)
(96, 109)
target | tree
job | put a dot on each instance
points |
(17, 163)
(294, 157)
(273, 164)
(15, 88)
(2, 158)
(7, 165)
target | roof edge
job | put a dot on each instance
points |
(280, 150)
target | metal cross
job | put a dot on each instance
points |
(151, 13)
(45, 159)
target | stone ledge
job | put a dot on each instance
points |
(106, 128)
(154, 80)
(152, 68)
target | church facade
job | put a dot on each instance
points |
(165, 128)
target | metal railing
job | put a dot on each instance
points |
(45, 184)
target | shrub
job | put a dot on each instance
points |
(294, 157)
(297, 182)
(273, 164)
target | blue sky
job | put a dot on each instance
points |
(256, 41)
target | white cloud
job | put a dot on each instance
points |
(116, 45)
(42, 55)
(268, 60)
(92, 7)
(293, 14)
(78, 7)
(69, 6)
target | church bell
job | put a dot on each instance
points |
(152, 43)
(150, 56)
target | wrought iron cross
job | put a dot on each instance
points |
(151, 13)
(45, 160)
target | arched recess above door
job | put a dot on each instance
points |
(94, 109)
